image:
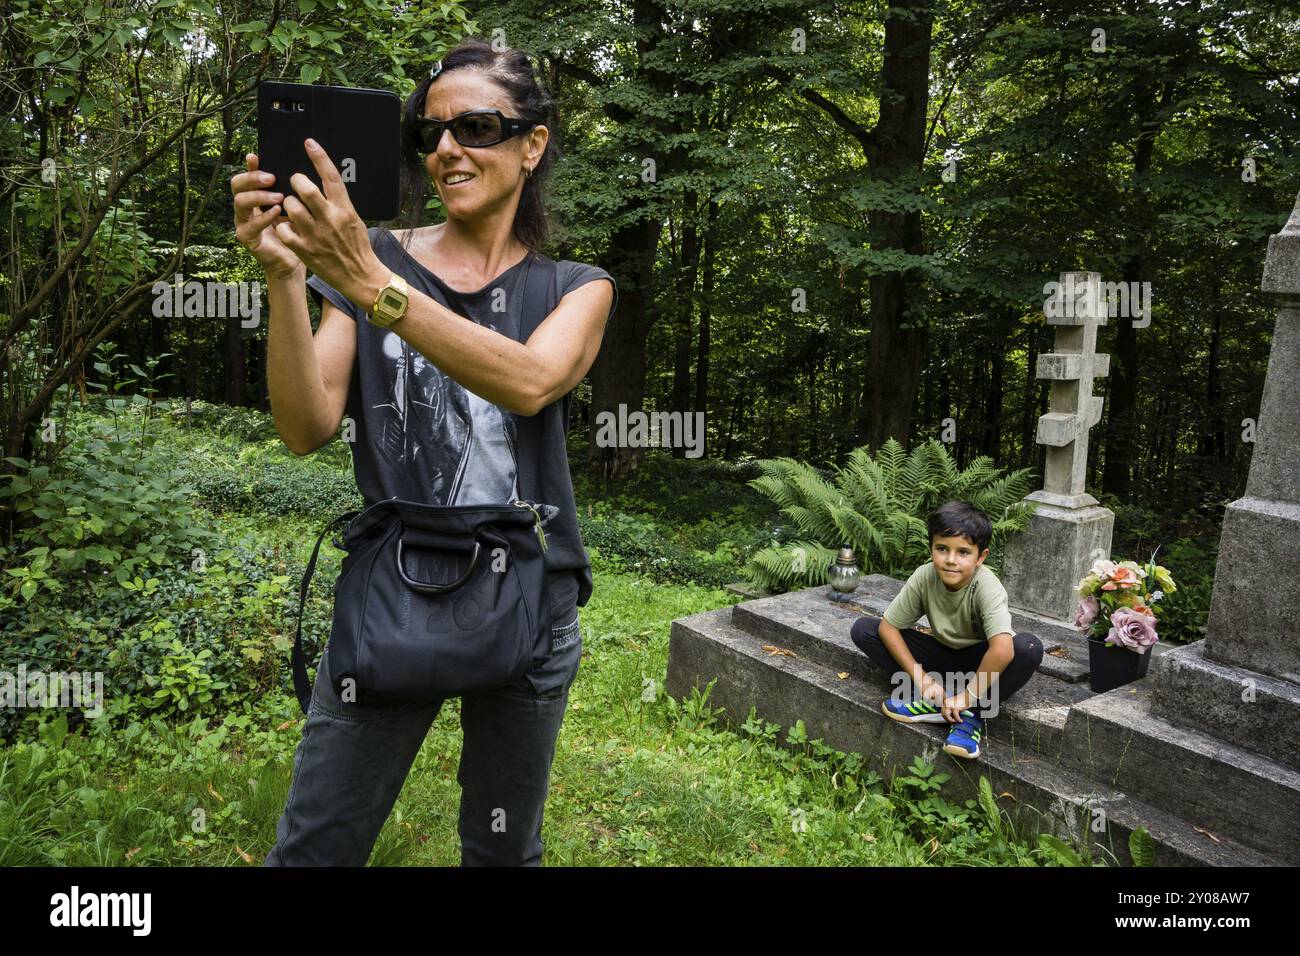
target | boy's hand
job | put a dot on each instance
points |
(932, 691)
(953, 706)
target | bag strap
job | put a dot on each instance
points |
(301, 685)
(541, 295)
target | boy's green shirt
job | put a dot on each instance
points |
(957, 618)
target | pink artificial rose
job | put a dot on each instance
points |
(1087, 613)
(1130, 629)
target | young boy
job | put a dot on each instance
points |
(972, 641)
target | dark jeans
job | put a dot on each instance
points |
(936, 657)
(352, 762)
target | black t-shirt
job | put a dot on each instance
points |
(439, 443)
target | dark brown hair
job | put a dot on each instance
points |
(961, 519)
(512, 71)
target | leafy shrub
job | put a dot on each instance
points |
(109, 504)
(273, 487)
(232, 421)
(676, 490)
(635, 543)
(1185, 614)
(194, 636)
(879, 507)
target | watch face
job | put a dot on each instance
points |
(391, 301)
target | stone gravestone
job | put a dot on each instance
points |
(1069, 528)
(1255, 608)
(1242, 683)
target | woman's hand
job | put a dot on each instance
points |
(325, 232)
(251, 193)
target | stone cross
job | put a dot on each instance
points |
(1069, 528)
(1076, 309)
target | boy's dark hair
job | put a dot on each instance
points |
(961, 519)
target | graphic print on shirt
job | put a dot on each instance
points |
(437, 436)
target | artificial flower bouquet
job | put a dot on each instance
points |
(1117, 603)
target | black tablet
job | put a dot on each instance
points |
(359, 130)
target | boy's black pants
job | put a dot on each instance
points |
(934, 656)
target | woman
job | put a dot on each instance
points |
(450, 407)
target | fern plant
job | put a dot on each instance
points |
(879, 506)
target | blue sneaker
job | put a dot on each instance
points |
(964, 739)
(916, 712)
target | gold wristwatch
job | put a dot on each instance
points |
(390, 303)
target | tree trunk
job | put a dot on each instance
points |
(814, 412)
(235, 371)
(1122, 421)
(687, 268)
(992, 443)
(703, 343)
(1213, 439)
(898, 334)
(1028, 421)
(619, 373)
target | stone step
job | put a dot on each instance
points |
(1118, 739)
(1064, 644)
(820, 626)
(1038, 793)
(1251, 710)
(816, 629)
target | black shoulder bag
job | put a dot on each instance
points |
(437, 601)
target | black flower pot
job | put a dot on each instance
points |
(1111, 666)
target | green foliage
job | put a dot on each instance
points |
(231, 614)
(139, 792)
(113, 503)
(1185, 614)
(992, 816)
(1141, 848)
(677, 491)
(879, 507)
(183, 679)
(619, 541)
(229, 421)
(1058, 851)
(269, 484)
(640, 778)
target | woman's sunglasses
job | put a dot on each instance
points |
(475, 128)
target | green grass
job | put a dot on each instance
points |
(634, 782)
(638, 779)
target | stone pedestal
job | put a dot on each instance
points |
(1043, 563)
(1255, 611)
